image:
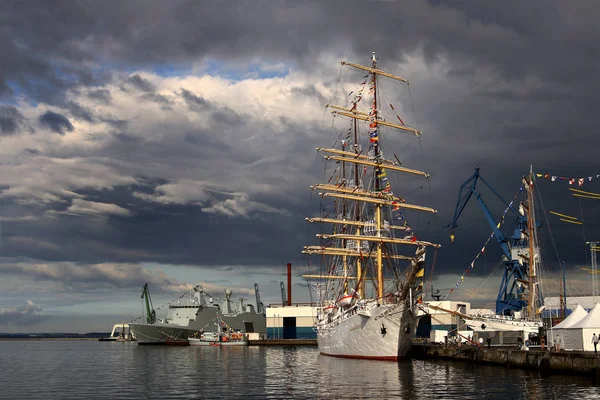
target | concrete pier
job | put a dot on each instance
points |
(573, 362)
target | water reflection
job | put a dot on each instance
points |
(94, 370)
(364, 379)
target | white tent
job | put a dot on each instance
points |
(556, 334)
(579, 335)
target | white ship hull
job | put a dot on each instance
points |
(483, 324)
(371, 332)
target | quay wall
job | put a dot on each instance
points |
(283, 342)
(47, 338)
(562, 361)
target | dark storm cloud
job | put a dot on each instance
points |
(140, 83)
(5, 91)
(310, 91)
(10, 120)
(123, 137)
(228, 117)
(195, 103)
(32, 152)
(485, 34)
(80, 112)
(84, 277)
(157, 98)
(57, 122)
(42, 57)
(101, 95)
(509, 86)
(115, 123)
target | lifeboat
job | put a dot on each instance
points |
(328, 309)
(346, 300)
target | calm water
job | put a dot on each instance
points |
(105, 370)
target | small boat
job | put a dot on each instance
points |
(219, 338)
(328, 309)
(346, 301)
(120, 333)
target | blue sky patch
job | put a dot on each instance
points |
(253, 70)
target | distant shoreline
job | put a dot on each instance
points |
(45, 338)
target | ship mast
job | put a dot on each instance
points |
(344, 211)
(531, 308)
(360, 283)
(377, 186)
(350, 242)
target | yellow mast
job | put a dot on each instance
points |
(380, 202)
(377, 168)
(355, 155)
(378, 239)
(379, 121)
(338, 251)
(358, 192)
(360, 283)
(375, 71)
(374, 164)
(348, 222)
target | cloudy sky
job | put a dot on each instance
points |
(173, 142)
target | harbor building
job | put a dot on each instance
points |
(440, 320)
(296, 321)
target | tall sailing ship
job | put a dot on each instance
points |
(373, 261)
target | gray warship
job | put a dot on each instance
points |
(196, 311)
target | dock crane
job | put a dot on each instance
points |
(283, 298)
(516, 289)
(150, 313)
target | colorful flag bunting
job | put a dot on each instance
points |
(572, 181)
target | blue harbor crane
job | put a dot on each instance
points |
(515, 248)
